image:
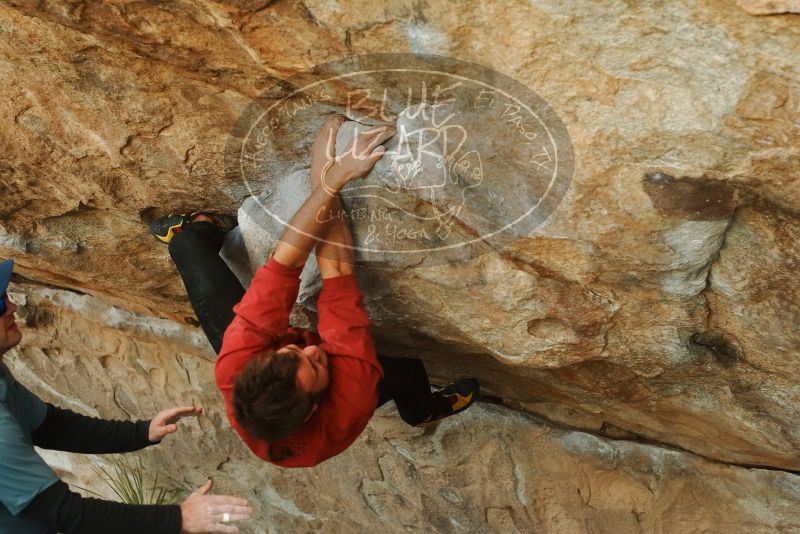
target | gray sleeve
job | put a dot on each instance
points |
(23, 473)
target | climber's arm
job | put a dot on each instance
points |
(335, 255)
(301, 233)
(335, 249)
(333, 173)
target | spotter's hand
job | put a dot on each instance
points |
(165, 423)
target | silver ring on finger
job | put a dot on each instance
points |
(226, 517)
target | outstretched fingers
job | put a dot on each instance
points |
(232, 516)
(228, 509)
(372, 138)
(226, 529)
(222, 501)
(172, 415)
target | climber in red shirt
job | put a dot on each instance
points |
(297, 397)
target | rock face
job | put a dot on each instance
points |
(769, 7)
(489, 470)
(659, 301)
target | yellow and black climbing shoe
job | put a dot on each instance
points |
(164, 228)
(457, 397)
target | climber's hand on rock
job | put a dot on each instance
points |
(201, 512)
(324, 148)
(166, 422)
(361, 155)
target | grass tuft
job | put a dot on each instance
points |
(127, 481)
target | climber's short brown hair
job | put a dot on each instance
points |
(267, 401)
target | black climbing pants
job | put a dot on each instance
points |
(214, 290)
(212, 287)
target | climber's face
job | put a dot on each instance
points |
(312, 373)
(10, 336)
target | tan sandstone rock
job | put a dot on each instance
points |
(770, 7)
(488, 470)
(659, 300)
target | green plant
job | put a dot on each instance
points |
(127, 481)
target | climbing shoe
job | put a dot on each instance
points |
(457, 397)
(164, 228)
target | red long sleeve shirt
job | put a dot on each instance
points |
(262, 322)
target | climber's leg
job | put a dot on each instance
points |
(166, 227)
(459, 395)
(212, 287)
(406, 382)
